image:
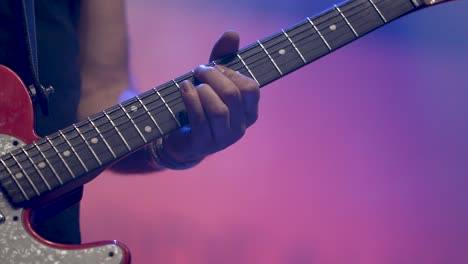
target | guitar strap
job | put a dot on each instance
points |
(39, 93)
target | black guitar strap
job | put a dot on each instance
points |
(39, 93)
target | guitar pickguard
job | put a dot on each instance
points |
(17, 246)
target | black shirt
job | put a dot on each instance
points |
(58, 51)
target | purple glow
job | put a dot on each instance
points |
(359, 158)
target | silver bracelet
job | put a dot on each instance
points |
(160, 156)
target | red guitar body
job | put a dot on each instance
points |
(19, 243)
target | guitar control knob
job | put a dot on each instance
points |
(2, 219)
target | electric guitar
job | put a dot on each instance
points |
(37, 172)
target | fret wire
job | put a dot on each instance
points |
(416, 3)
(235, 66)
(150, 115)
(247, 67)
(74, 151)
(352, 7)
(347, 22)
(176, 84)
(188, 77)
(396, 8)
(168, 108)
(60, 156)
(231, 63)
(117, 130)
(378, 11)
(292, 43)
(133, 122)
(269, 56)
(160, 109)
(25, 174)
(15, 180)
(86, 142)
(320, 34)
(103, 139)
(48, 163)
(363, 16)
(37, 169)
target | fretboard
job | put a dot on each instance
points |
(66, 156)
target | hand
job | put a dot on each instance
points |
(219, 109)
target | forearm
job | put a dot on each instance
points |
(104, 67)
(106, 93)
(103, 55)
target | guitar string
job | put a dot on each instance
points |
(316, 35)
(177, 98)
(190, 76)
(252, 46)
(158, 100)
(231, 64)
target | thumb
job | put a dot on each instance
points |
(227, 44)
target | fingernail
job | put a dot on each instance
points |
(199, 68)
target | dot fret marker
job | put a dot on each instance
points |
(19, 175)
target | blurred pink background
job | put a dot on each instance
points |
(360, 157)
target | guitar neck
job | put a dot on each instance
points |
(72, 153)
(289, 49)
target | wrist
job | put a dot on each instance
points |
(163, 158)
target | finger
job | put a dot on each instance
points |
(249, 90)
(217, 114)
(227, 44)
(228, 92)
(199, 126)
